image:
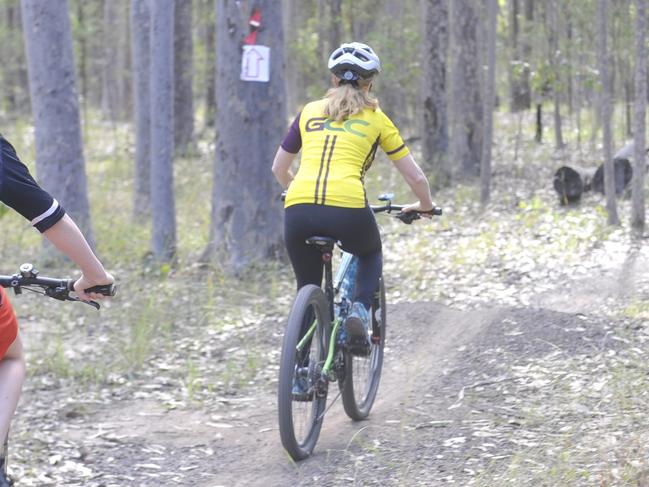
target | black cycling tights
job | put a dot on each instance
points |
(355, 228)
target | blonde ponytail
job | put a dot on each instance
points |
(346, 100)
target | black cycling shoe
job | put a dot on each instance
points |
(357, 327)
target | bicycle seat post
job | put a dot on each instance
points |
(326, 246)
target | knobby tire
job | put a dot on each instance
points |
(299, 445)
(362, 374)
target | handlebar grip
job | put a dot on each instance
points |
(436, 211)
(105, 289)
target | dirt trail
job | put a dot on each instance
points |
(140, 442)
(422, 430)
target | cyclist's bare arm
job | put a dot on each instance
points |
(417, 181)
(282, 167)
(66, 236)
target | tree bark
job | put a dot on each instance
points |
(55, 105)
(466, 134)
(141, 51)
(434, 118)
(602, 54)
(162, 120)
(246, 223)
(183, 79)
(639, 155)
(488, 103)
(555, 62)
(115, 72)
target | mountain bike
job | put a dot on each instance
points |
(314, 349)
(27, 279)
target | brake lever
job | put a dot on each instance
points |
(408, 217)
(94, 304)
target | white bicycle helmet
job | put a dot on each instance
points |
(354, 61)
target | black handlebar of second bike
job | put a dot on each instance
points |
(56, 288)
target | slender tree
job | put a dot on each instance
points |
(434, 119)
(555, 62)
(141, 53)
(466, 106)
(162, 120)
(55, 106)
(183, 80)
(638, 197)
(246, 211)
(605, 98)
(488, 103)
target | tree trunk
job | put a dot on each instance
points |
(434, 119)
(489, 101)
(393, 94)
(210, 74)
(15, 99)
(115, 72)
(555, 62)
(162, 121)
(602, 54)
(141, 50)
(59, 150)
(637, 190)
(466, 135)
(246, 212)
(183, 68)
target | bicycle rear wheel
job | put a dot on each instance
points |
(362, 374)
(4, 453)
(300, 414)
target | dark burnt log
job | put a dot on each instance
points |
(571, 181)
(623, 173)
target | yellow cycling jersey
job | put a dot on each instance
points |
(336, 155)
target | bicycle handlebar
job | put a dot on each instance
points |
(28, 278)
(407, 217)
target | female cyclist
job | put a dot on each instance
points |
(19, 191)
(339, 136)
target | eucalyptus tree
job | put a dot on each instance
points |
(141, 60)
(638, 197)
(433, 101)
(246, 220)
(466, 99)
(183, 79)
(605, 108)
(55, 106)
(488, 102)
(162, 120)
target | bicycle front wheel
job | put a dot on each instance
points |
(362, 374)
(302, 394)
(4, 453)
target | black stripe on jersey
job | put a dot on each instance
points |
(324, 184)
(370, 157)
(322, 160)
(396, 150)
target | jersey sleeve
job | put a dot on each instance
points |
(293, 140)
(391, 141)
(19, 191)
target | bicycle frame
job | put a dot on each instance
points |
(332, 288)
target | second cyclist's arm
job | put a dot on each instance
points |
(417, 181)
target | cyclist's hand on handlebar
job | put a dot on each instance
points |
(420, 208)
(84, 283)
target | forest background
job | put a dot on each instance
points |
(133, 115)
